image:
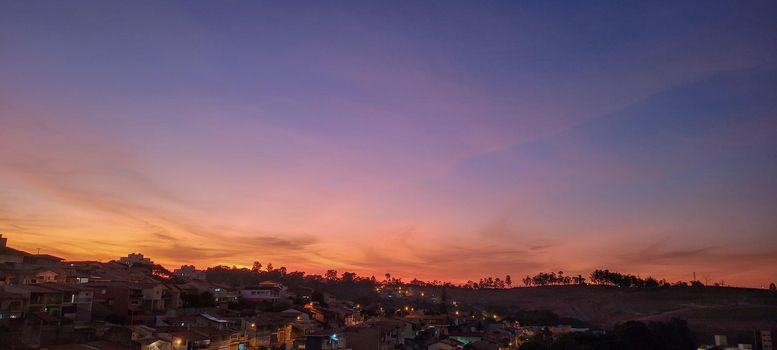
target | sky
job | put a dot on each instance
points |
(442, 140)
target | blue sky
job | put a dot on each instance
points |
(481, 138)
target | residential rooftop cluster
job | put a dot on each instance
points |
(49, 303)
(133, 304)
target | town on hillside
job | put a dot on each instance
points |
(132, 303)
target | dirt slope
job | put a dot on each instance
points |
(708, 309)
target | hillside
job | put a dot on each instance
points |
(708, 310)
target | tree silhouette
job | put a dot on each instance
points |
(349, 277)
(257, 267)
(444, 301)
(773, 287)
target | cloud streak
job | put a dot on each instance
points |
(439, 142)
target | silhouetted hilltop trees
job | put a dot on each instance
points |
(605, 277)
(333, 280)
(552, 278)
(602, 277)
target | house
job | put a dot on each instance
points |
(8, 255)
(363, 338)
(440, 322)
(302, 324)
(446, 344)
(264, 291)
(334, 316)
(172, 296)
(392, 332)
(48, 275)
(42, 329)
(129, 302)
(211, 321)
(12, 306)
(189, 272)
(302, 293)
(484, 345)
(271, 329)
(40, 299)
(379, 334)
(40, 260)
(325, 341)
(199, 338)
(20, 267)
(223, 339)
(93, 345)
(76, 301)
(143, 334)
(466, 337)
(223, 295)
(185, 339)
(182, 321)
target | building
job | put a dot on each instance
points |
(8, 255)
(445, 344)
(40, 299)
(189, 272)
(222, 294)
(264, 291)
(721, 340)
(135, 259)
(76, 301)
(20, 267)
(766, 340)
(325, 341)
(271, 329)
(132, 303)
(12, 307)
(363, 338)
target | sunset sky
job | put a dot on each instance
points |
(438, 140)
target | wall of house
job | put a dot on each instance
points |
(363, 339)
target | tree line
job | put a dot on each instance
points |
(259, 272)
(604, 278)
